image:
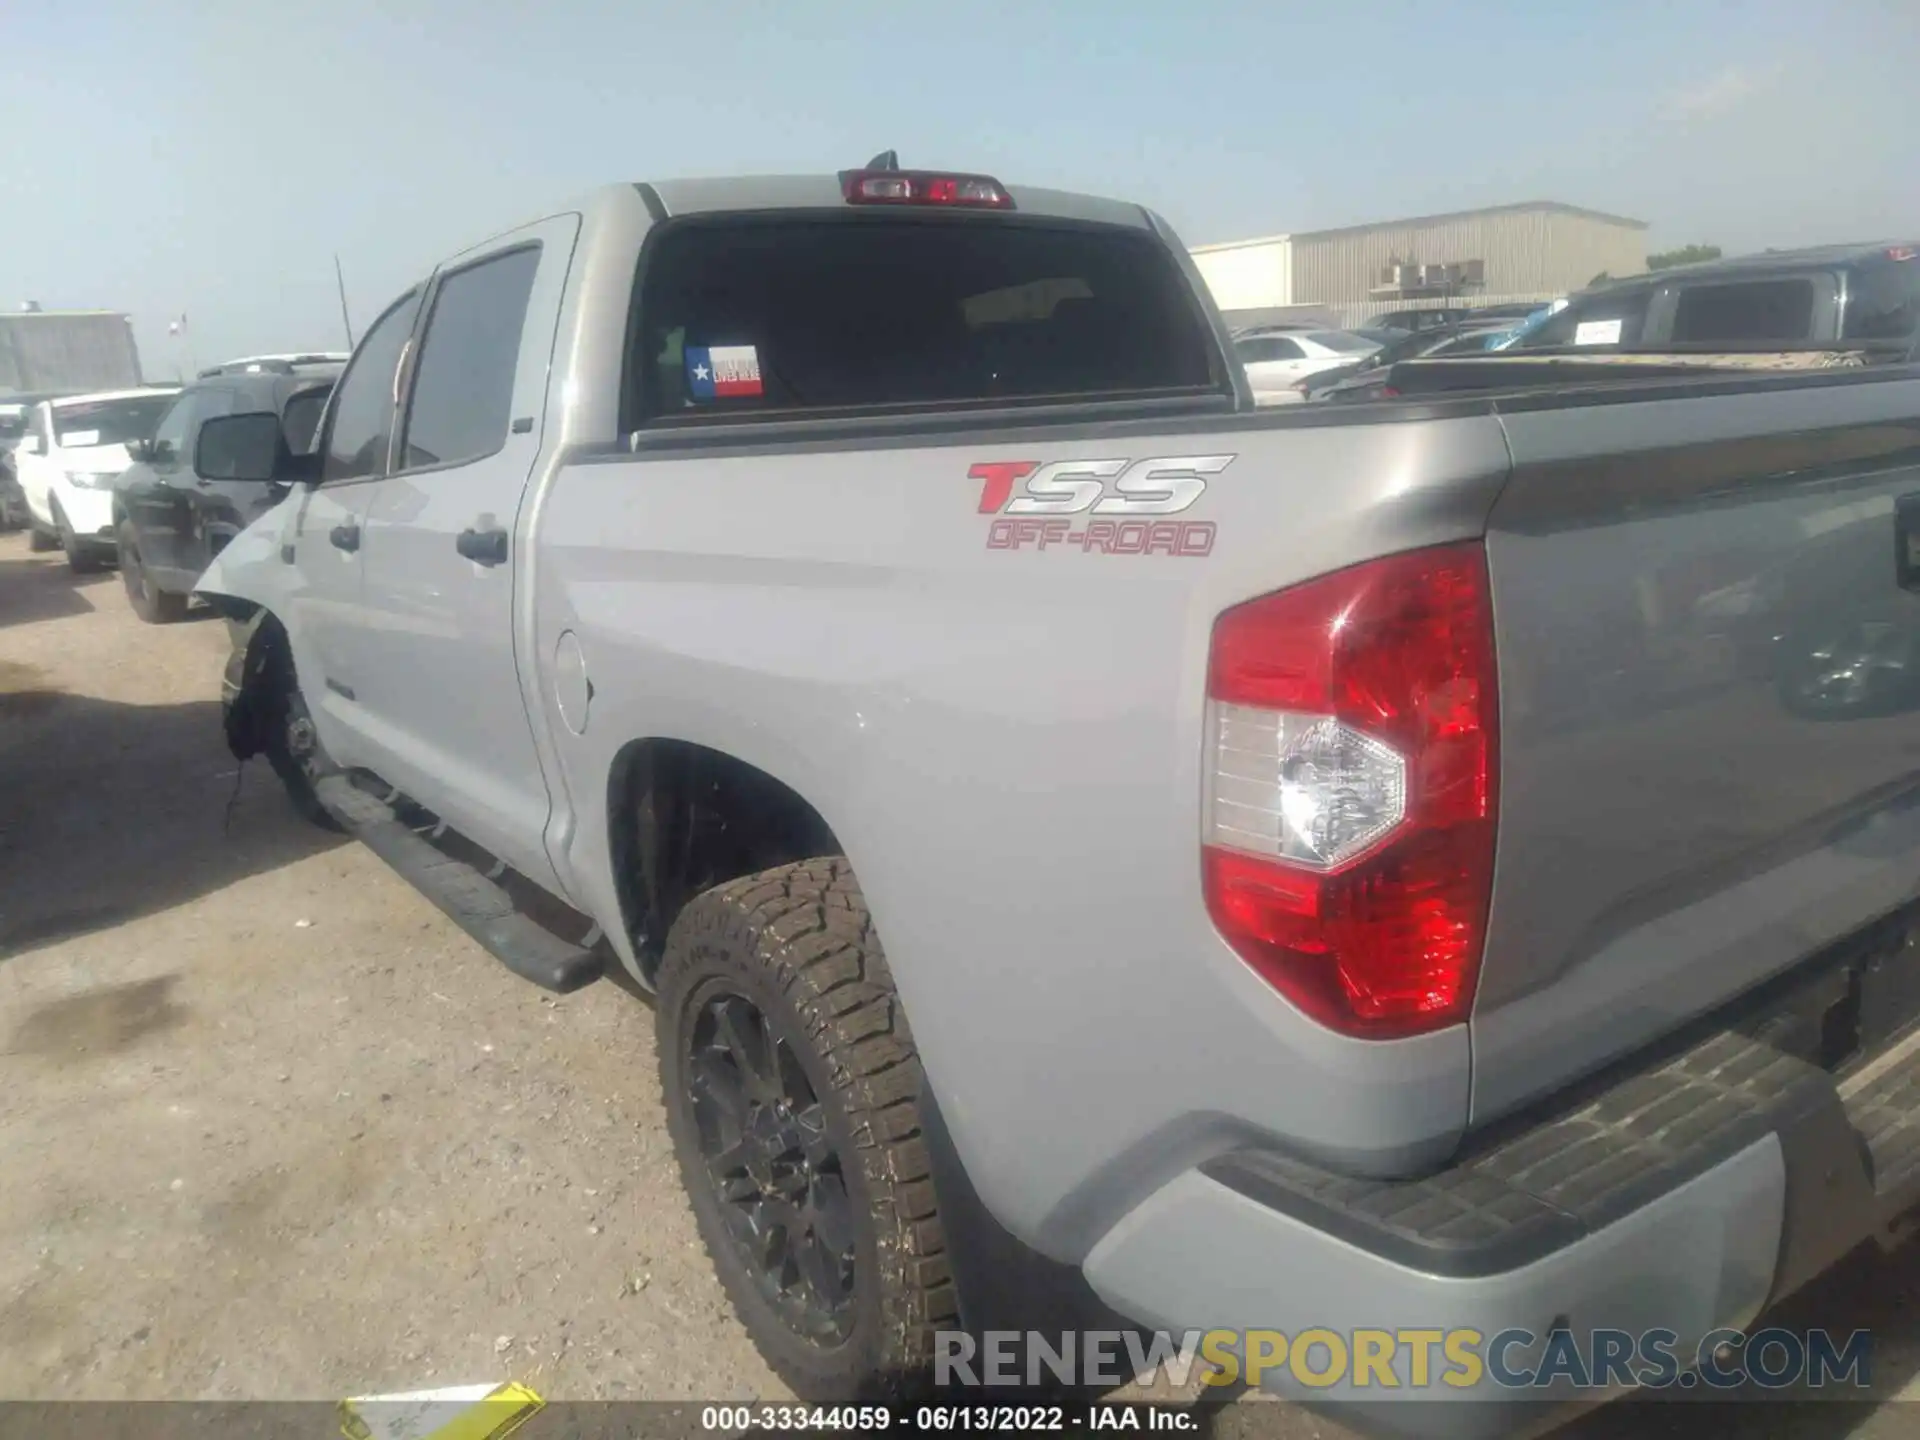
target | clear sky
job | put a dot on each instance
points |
(211, 156)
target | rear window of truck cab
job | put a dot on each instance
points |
(758, 314)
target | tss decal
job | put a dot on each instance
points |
(1135, 494)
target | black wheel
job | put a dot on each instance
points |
(272, 713)
(40, 541)
(149, 601)
(81, 557)
(793, 1097)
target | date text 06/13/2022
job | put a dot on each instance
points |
(942, 1418)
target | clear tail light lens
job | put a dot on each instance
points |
(1350, 808)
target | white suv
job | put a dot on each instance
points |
(66, 463)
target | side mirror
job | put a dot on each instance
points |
(34, 445)
(242, 447)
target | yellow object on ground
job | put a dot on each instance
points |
(456, 1412)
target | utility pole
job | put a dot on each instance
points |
(341, 280)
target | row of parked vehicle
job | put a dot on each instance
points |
(139, 479)
(1843, 304)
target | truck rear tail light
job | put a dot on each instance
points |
(1351, 731)
(924, 187)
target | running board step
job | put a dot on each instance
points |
(468, 898)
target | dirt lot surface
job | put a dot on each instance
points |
(271, 1127)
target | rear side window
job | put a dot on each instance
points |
(1883, 301)
(1744, 313)
(462, 400)
(1598, 320)
(818, 314)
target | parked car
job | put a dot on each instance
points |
(1452, 339)
(1056, 807)
(181, 501)
(66, 463)
(13, 501)
(1275, 362)
(1414, 321)
(1833, 295)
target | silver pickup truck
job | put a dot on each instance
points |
(1097, 849)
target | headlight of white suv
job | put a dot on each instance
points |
(89, 480)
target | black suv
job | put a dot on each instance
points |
(1838, 296)
(180, 503)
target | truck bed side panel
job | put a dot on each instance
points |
(1710, 711)
(1008, 743)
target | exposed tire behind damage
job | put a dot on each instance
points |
(782, 973)
(269, 716)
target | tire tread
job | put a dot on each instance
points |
(808, 931)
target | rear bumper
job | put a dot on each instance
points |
(1684, 1195)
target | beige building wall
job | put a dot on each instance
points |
(1248, 274)
(1528, 251)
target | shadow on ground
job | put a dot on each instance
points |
(1870, 1291)
(40, 587)
(109, 811)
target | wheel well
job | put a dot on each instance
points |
(256, 677)
(683, 818)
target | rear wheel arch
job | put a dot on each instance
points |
(683, 818)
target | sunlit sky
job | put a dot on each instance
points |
(210, 157)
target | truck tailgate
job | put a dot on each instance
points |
(1710, 711)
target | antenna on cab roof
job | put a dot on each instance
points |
(885, 160)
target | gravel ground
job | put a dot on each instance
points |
(271, 1127)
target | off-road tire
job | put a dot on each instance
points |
(149, 601)
(41, 541)
(797, 943)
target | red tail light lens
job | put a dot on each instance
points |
(1352, 728)
(924, 187)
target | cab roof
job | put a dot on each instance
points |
(696, 196)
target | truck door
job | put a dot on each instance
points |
(439, 683)
(327, 622)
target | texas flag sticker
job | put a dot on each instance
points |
(722, 371)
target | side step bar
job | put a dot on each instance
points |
(468, 898)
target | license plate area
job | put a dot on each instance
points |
(1848, 1005)
(1889, 989)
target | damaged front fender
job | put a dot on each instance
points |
(256, 566)
(250, 583)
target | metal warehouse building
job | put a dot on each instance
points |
(1510, 253)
